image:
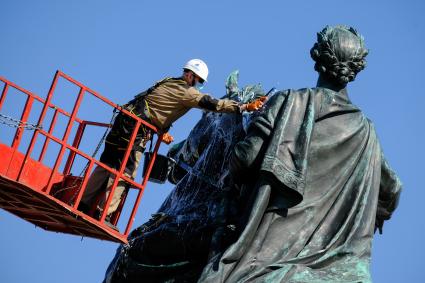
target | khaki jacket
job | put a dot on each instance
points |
(173, 98)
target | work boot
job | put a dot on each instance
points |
(84, 208)
(98, 214)
(110, 225)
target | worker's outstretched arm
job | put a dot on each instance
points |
(207, 102)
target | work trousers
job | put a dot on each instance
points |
(101, 180)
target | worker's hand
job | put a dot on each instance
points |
(167, 138)
(256, 104)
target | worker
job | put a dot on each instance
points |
(160, 105)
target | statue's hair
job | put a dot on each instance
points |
(339, 53)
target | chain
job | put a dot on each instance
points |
(87, 165)
(15, 123)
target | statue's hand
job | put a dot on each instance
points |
(381, 215)
(379, 225)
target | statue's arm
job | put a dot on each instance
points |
(247, 153)
(389, 194)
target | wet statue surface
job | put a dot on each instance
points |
(299, 201)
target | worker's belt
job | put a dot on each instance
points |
(123, 127)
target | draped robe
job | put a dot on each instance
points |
(317, 184)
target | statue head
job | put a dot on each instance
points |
(339, 54)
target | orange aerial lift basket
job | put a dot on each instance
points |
(47, 196)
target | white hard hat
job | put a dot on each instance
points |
(198, 67)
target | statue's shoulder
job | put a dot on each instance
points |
(295, 92)
(306, 91)
(279, 98)
(302, 91)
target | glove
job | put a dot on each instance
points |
(256, 104)
(167, 138)
(263, 98)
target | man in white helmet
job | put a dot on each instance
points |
(160, 105)
(173, 97)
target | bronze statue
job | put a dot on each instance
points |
(314, 179)
(193, 223)
(308, 185)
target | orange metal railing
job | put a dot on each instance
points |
(73, 146)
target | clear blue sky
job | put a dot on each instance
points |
(119, 48)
